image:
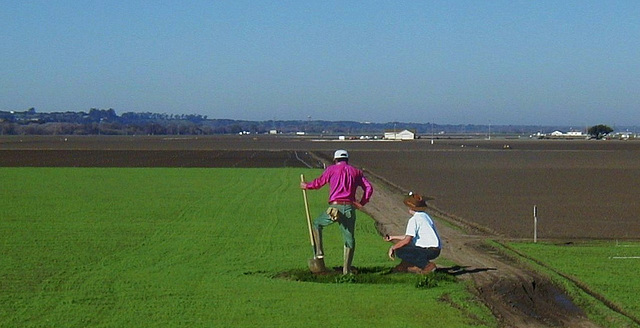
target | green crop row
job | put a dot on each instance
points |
(167, 247)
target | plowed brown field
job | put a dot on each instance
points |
(582, 189)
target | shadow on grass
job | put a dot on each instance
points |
(457, 270)
(374, 275)
(367, 275)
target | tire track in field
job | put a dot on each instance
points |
(270, 234)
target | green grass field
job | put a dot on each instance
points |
(161, 247)
(607, 268)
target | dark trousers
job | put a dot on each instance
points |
(418, 256)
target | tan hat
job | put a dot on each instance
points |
(416, 202)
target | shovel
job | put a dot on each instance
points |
(316, 265)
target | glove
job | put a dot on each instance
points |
(333, 213)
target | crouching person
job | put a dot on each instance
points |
(420, 244)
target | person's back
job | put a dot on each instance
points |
(344, 181)
(426, 234)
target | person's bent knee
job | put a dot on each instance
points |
(350, 243)
(321, 222)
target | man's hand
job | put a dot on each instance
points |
(391, 253)
(303, 185)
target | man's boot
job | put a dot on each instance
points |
(317, 242)
(348, 258)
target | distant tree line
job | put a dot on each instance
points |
(107, 122)
(103, 121)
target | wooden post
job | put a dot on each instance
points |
(535, 223)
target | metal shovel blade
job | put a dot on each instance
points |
(317, 265)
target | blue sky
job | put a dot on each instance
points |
(448, 62)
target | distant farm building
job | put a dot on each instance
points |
(562, 135)
(399, 135)
(568, 135)
(626, 135)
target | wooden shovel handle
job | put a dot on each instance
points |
(306, 209)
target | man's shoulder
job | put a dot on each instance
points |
(343, 166)
(422, 215)
(351, 167)
(334, 167)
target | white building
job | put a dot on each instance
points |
(399, 135)
(569, 135)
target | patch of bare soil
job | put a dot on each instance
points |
(153, 158)
(518, 297)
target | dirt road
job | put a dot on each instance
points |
(517, 297)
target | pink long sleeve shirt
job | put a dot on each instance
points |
(343, 180)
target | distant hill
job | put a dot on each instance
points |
(106, 121)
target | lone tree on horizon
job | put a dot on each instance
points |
(599, 131)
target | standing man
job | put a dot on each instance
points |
(420, 244)
(343, 180)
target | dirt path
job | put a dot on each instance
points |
(517, 297)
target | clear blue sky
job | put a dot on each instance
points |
(448, 62)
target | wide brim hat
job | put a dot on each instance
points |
(415, 202)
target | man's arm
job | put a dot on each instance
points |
(406, 239)
(368, 191)
(391, 238)
(316, 183)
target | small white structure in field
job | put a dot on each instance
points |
(569, 135)
(399, 135)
